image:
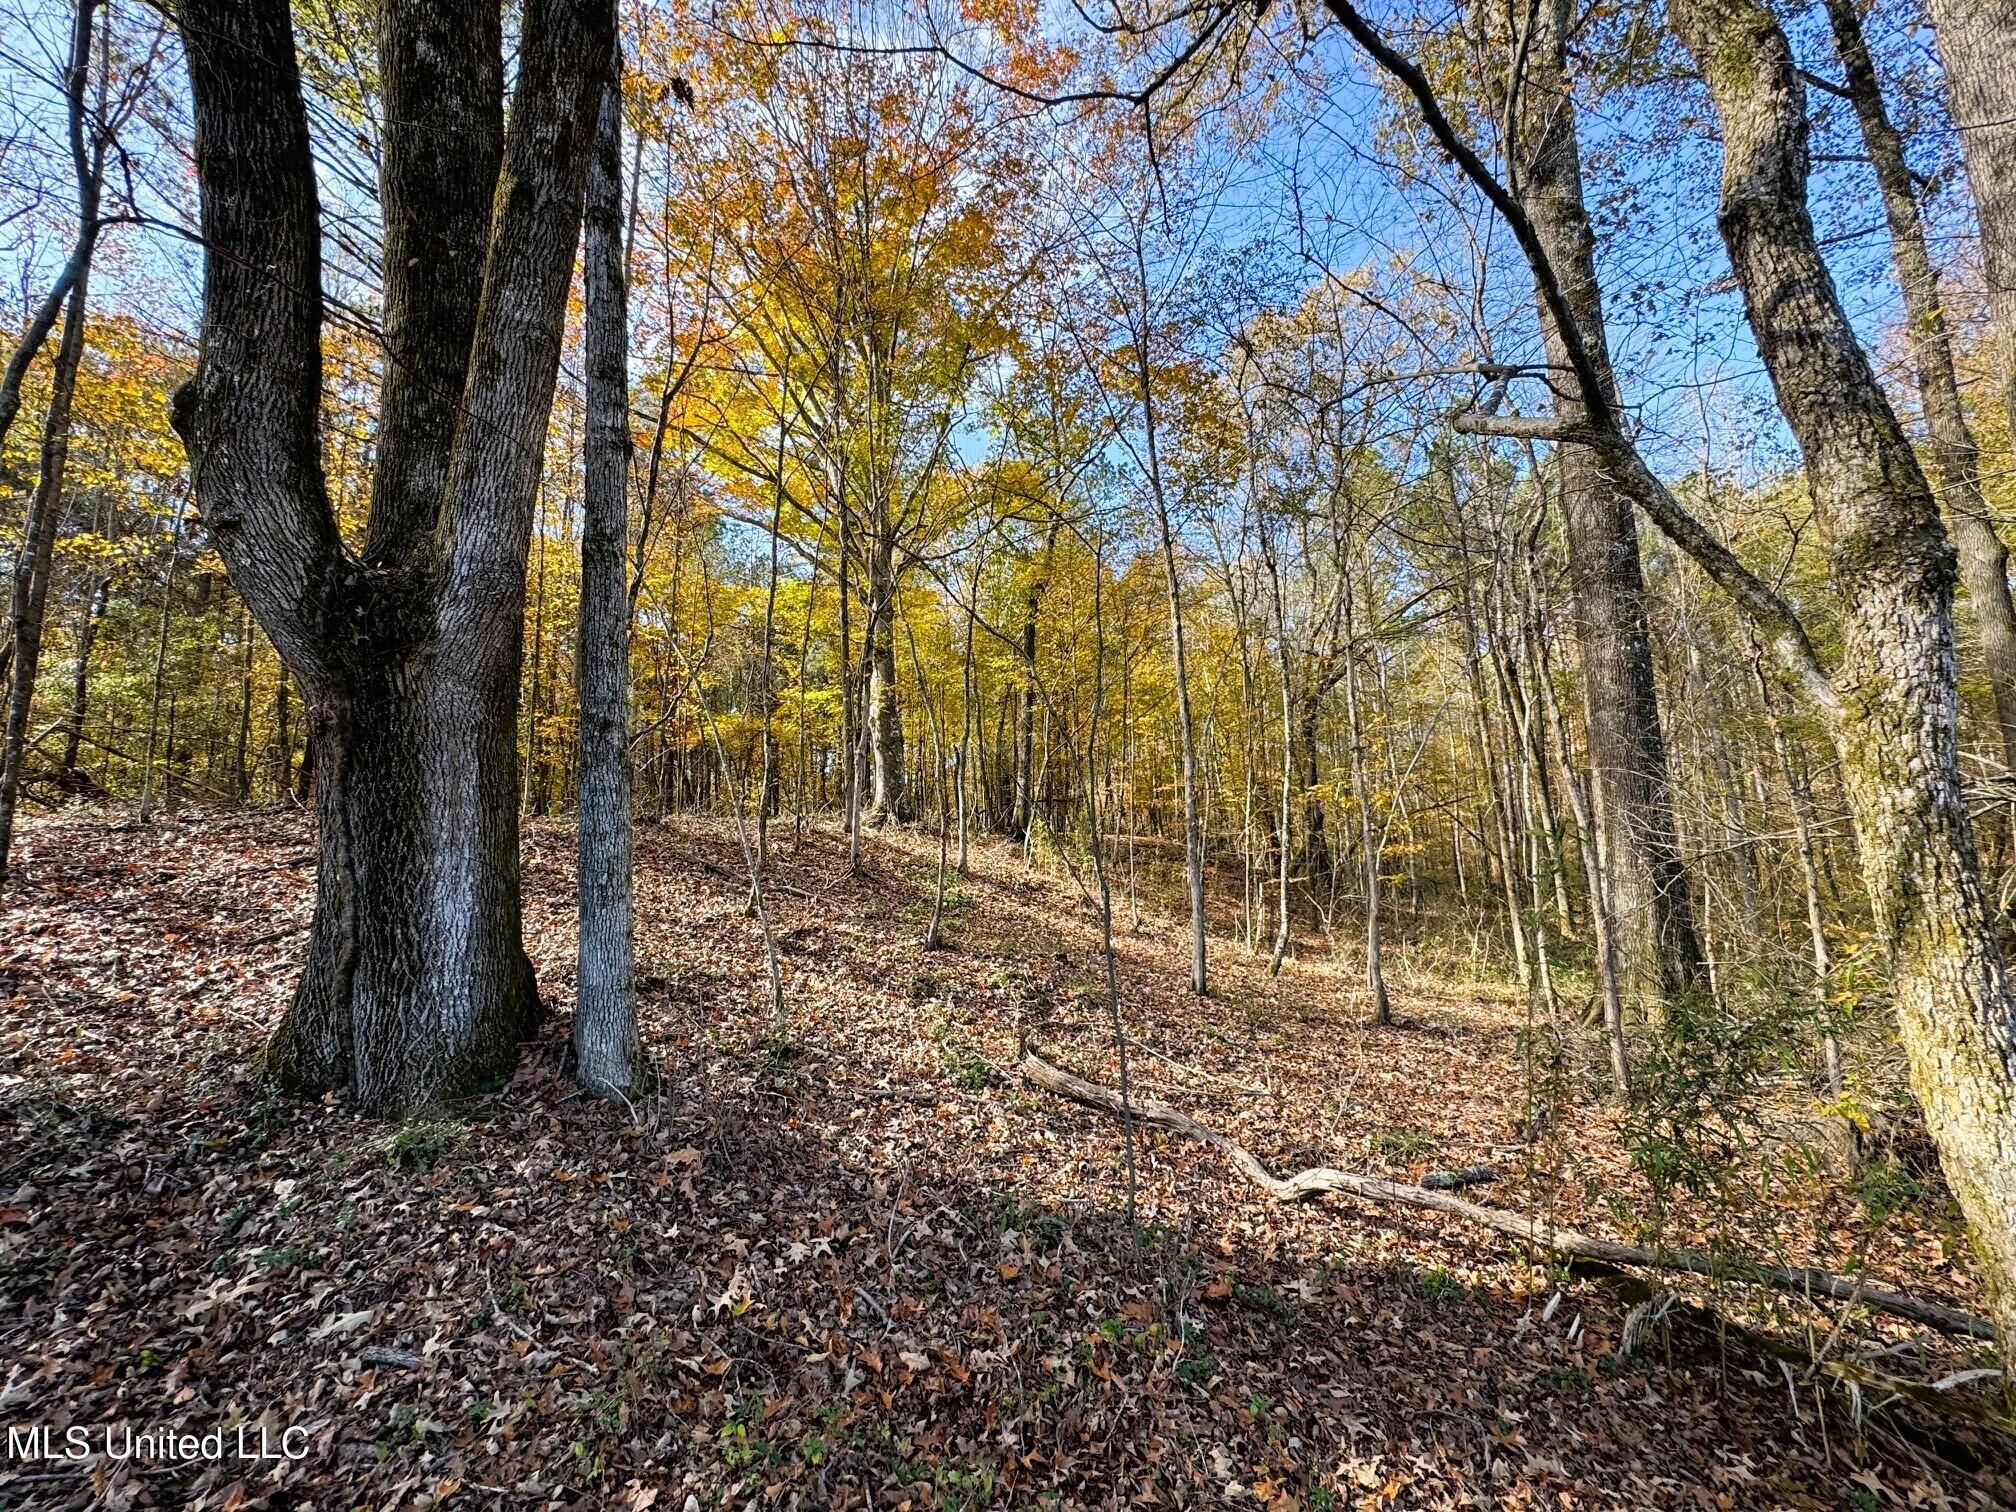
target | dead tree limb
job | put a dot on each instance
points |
(1803, 1281)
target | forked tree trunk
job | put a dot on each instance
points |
(417, 990)
(1894, 702)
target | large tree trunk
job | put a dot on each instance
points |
(1652, 917)
(417, 990)
(1956, 462)
(1977, 43)
(1894, 702)
(607, 1057)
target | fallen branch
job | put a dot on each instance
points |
(1804, 1281)
(1857, 1375)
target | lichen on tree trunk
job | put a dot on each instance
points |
(1894, 699)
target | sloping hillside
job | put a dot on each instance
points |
(858, 1262)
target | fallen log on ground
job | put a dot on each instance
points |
(1656, 1308)
(1799, 1280)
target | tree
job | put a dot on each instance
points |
(417, 989)
(1956, 460)
(89, 141)
(1638, 861)
(1894, 704)
(1977, 38)
(1891, 702)
(607, 1057)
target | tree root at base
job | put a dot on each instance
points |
(1801, 1281)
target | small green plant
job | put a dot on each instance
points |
(1562, 1378)
(1197, 1369)
(1694, 1092)
(1435, 1282)
(1885, 1189)
(420, 1147)
(966, 1070)
(1263, 1300)
(1403, 1144)
(740, 1449)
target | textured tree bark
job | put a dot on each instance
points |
(1895, 701)
(1977, 41)
(417, 990)
(1656, 945)
(1956, 461)
(608, 1059)
(442, 71)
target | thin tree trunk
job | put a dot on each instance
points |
(80, 679)
(146, 811)
(86, 160)
(1368, 842)
(608, 1059)
(28, 607)
(1193, 820)
(241, 766)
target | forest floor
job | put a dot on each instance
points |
(859, 1263)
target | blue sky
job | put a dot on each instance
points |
(1319, 188)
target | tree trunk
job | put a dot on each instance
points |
(417, 990)
(1369, 834)
(1956, 461)
(885, 716)
(1977, 40)
(28, 609)
(1657, 947)
(607, 1058)
(80, 678)
(1894, 701)
(86, 162)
